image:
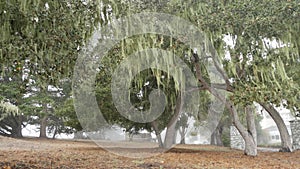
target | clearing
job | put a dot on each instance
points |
(67, 154)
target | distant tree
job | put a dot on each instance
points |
(12, 89)
(67, 116)
(182, 126)
(40, 41)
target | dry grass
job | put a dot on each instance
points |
(36, 153)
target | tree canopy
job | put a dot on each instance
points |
(257, 43)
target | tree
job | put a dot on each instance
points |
(44, 35)
(252, 79)
(255, 71)
(218, 135)
(10, 120)
(286, 144)
(248, 66)
(40, 40)
(66, 113)
(153, 78)
(142, 86)
(182, 126)
(221, 18)
(12, 88)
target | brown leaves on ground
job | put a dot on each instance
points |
(35, 153)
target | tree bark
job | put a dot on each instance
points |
(16, 130)
(169, 138)
(216, 137)
(251, 122)
(43, 127)
(54, 133)
(171, 127)
(251, 145)
(182, 132)
(157, 133)
(251, 148)
(286, 144)
(175, 136)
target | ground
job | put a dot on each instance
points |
(47, 153)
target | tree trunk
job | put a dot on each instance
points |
(169, 138)
(43, 127)
(182, 133)
(16, 130)
(213, 138)
(286, 144)
(54, 133)
(251, 122)
(251, 148)
(175, 136)
(11, 126)
(171, 127)
(250, 143)
(157, 133)
(160, 142)
(79, 135)
(216, 137)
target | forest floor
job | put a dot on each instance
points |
(67, 154)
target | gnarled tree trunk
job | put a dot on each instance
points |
(182, 132)
(171, 127)
(157, 133)
(251, 147)
(16, 130)
(286, 144)
(216, 136)
(249, 134)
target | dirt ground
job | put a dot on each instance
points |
(65, 154)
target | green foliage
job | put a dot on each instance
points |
(258, 71)
(39, 44)
(226, 137)
(45, 38)
(140, 102)
(67, 113)
(6, 109)
(46, 35)
(155, 79)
